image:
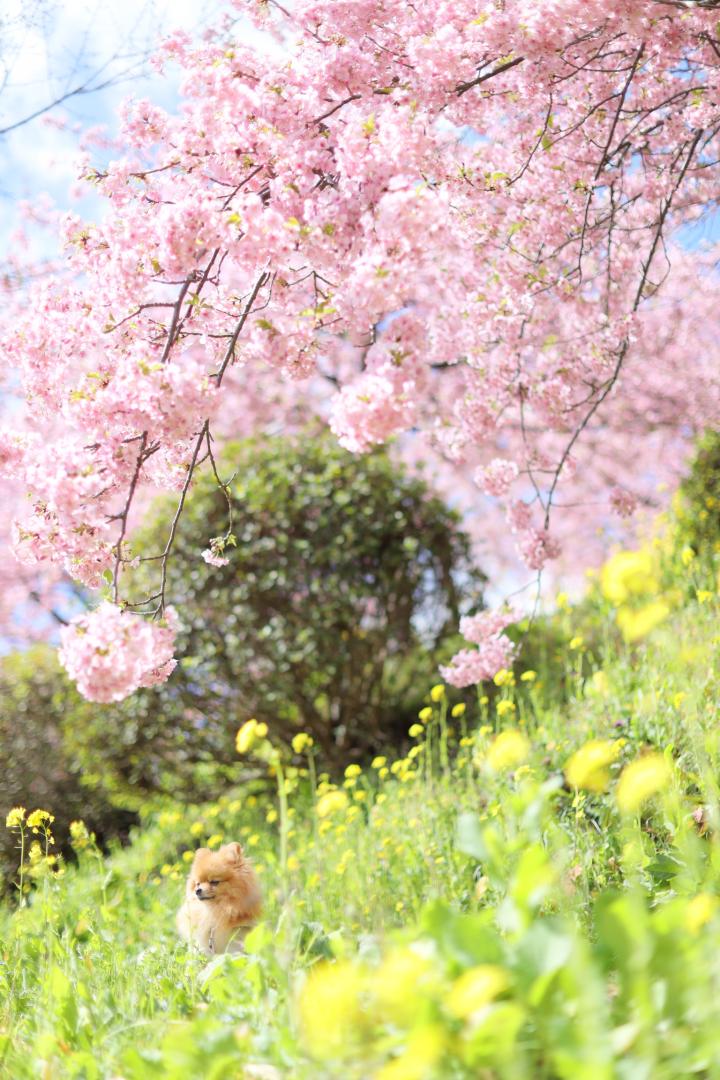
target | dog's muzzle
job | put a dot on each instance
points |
(203, 896)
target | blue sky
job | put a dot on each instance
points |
(49, 47)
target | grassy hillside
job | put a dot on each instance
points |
(489, 905)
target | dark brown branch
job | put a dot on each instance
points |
(464, 87)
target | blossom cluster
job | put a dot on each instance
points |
(494, 651)
(110, 653)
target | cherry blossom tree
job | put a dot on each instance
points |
(462, 218)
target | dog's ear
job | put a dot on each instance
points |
(201, 851)
(234, 851)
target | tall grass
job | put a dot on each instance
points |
(461, 911)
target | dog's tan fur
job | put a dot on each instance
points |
(222, 900)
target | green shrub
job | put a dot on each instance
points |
(698, 508)
(38, 769)
(344, 575)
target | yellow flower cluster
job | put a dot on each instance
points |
(251, 733)
(588, 768)
(641, 780)
(509, 749)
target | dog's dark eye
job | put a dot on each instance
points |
(214, 883)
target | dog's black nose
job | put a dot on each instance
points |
(198, 891)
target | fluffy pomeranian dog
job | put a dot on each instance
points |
(222, 900)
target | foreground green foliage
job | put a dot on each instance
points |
(501, 914)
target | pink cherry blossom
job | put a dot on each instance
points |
(458, 227)
(213, 559)
(497, 477)
(110, 653)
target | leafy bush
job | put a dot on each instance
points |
(699, 503)
(344, 574)
(38, 769)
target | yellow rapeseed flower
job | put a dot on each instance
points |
(509, 749)
(424, 1048)
(378, 762)
(628, 573)
(528, 676)
(38, 818)
(425, 714)
(504, 677)
(458, 710)
(248, 735)
(588, 767)
(415, 730)
(475, 989)
(700, 911)
(397, 982)
(332, 803)
(504, 707)
(576, 642)
(302, 741)
(353, 770)
(636, 623)
(437, 693)
(687, 555)
(15, 817)
(640, 780)
(330, 1010)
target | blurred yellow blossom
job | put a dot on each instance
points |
(301, 742)
(415, 730)
(528, 676)
(251, 732)
(598, 684)
(437, 693)
(378, 762)
(504, 707)
(475, 989)
(687, 555)
(588, 766)
(424, 1048)
(331, 803)
(425, 714)
(504, 677)
(509, 749)
(637, 623)
(458, 710)
(700, 911)
(397, 981)
(628, 573)
(352, 771)
(640, 780)
(576, 642)
(330, 1011)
